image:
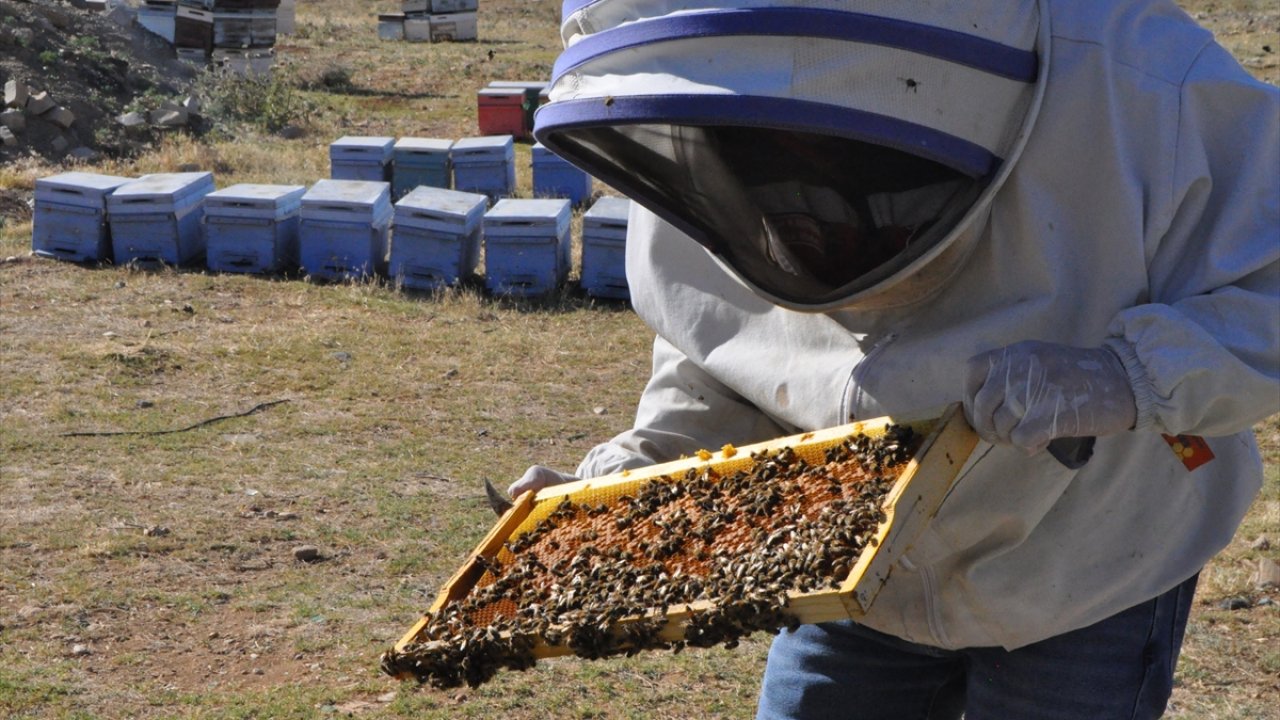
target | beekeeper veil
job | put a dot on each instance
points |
(822, 150)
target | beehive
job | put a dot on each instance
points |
(485, 165)
(604, 245)
(344, 229)
(553, 176)
(354, 157)
(70, 219)
(526, 246)
(252, 228)
(909, 468)
(452, 27)
(420, 161)
(435, 237)
(157, 218)
(502, 111)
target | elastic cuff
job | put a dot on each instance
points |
(1144, 395)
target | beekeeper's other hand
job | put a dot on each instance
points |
(1031, 392)
(536, 478)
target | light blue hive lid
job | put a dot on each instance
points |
(251, 200)
(81, 189)
(486, 148)
(521, 217)
(356, 148)
(160, 192)
(348, 201)
(433, 208)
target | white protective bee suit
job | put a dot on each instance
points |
(1125, 196)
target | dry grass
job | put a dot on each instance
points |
(152, 575)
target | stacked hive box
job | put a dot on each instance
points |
(420, 161)
(497, 102)
(157, 218)
(158, 16)
(553, 176)
(604, 236)
(244, 34)
(361, 158)
(436, 237)
(526, 246)
(344, 229)
(70, 221)
(252, 228)
(435, 20)
(193, 31)
(485, 165)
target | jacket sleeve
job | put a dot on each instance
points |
(682, 410)
(1204, 354)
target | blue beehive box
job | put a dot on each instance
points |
(553, 176)
(526, 246)
(344, 229)
(70, 221)
(361, 158)
(157, 218)
(252, 228)
(435, 237)
(485, 165)
(420, 161)
(604, 245)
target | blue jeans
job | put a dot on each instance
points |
(1121, 667)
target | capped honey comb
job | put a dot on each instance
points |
(699, 556)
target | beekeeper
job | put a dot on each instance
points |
(1065, 215)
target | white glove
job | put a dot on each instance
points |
(536, 478)
(1031, 392)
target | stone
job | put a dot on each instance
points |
(1261, 543)
(39, 103)
(60, 144)
(16, 94)
(191, 104)
(61, 116)
(307, 553)
(7, 137)
(81, 152)
(14, 120)
(169, 117)
(132, 120)
(1268, 575)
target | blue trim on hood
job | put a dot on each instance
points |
(753, 111)
(969, 50)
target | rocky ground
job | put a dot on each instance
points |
(93, 66)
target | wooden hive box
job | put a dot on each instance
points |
(909, 504)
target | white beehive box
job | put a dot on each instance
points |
(604, 238)
(526, 246)
(157, 218)
(252, 228)
(361, 158)
(159, 17)
(485, 165)
(70, 220)
(344, 229)
(436, 237)
(452, 27)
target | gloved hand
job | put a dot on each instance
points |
(536, 478)
(1031, 392)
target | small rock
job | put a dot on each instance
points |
(306, 553)
(1235, 603)
(7, 137)
(60, 144)
(14, 120)
(1268, 575)
(599, 410)
(15, 94)
(81, 152)
(287, 516)
(1265, 602)
(144, 404)
(61, 116)
(40, 103)
(450, 373)
(342, 356)
(251, 492)
(156, 531)
(1261, 543)
(290, 132)
(80, 650)
(387, 697)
